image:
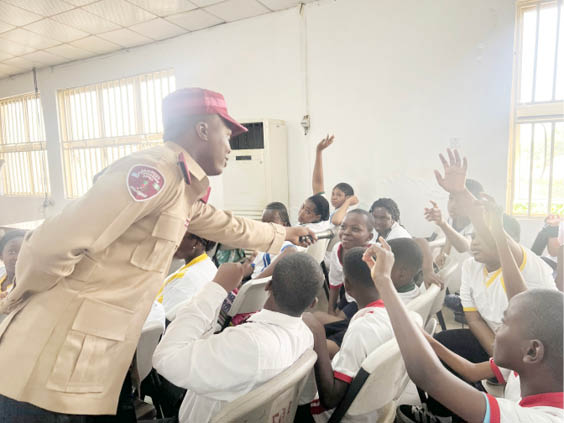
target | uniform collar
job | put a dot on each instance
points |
(549, 399)
(275, 318)
(193, 167)
(377, 303)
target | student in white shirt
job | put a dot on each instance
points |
(217, 369)
(264, 263)
(369, 328)
(314, 213)
(187, 281)
(529, 342)
(387, 220)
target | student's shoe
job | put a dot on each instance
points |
(414, 414)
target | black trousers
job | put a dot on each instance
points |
(465, 344)
(12, 411)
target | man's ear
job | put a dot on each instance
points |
(534, 352)
(268, 287)
(314, 302)
(202, 129)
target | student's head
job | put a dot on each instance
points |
(475, 189)
(10, 245)
(483, 247)
(314, 209)
(530, 336)
(358, 281)
(192, 246)
(295, 281)
(408, 261)
(197, 120)
(386, 213)
(340, 193)
(276, 213)
(357, 229)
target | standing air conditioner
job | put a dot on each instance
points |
(257, 173)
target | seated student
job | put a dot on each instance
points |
(409, 260)
(342, 195)
(186, 281)
(220, 368)
(368, 329)
(314, 213)
(547, 240)
(483, 290)
(10, 245)
(528, 342)
(264, 263)
(386, 219)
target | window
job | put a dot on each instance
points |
(22, 147)
(536, 171)
(103, 122)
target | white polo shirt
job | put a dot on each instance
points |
(263, 260)
(397, 231)
(510, 379)
(484, 291)
(217, 369)
(542, 408)
(186, 281)
(369, 328)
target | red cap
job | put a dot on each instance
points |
(198, 101)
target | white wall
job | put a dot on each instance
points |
(395, 82)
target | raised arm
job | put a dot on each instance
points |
(317, 183)
(457, 240)
(423, 366)
(341, 212)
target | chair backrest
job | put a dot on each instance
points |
(431, 326)
(317, 250)
(148, 341)
(275, 401)
(381, 380)
(445, 273)
(251, 297)
(422, 304)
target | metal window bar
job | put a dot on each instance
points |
(554, 76)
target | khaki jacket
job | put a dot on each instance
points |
(86, 279)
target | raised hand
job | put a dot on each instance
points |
(553, 220)
(380, 260)
(434, 214)
(493, 214)
(353, 200)
(455, 169)
(229, 275)
(325, 142)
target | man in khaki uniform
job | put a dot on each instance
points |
(86, 278)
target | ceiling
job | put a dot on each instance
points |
(39, 33)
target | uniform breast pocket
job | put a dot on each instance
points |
(155, 251)
(83, 364)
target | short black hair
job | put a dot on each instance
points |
(321, 206)
(208, 245)
(368, 216)
(282, 211)
(346, 188)
(388, 204)
(407, 254)
(295, 281)
(512, 227)
(10, 235)
(544, 309)
(474, 187)
(356, 271)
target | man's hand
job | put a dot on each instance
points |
(454, 180)
(380, 261)
(325, 142)
(229, 276)
(247, 264)
(352, 200)
(430, 278)
(552, 220)
(300, 235)
(493, 215)
(441, 259)
(434, 214)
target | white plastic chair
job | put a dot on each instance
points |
(423, 304)
(378, 384)
(148, 341)
(251, 297)
(274, 401)
(317, 250)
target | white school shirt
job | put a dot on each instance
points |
(263, 260)
(485, 292)
(217, 369)
(412, 294)
(396, 231)
(369, 328)
(156, 315)
(510, 379)
(336, 275)
(541, 408)
(186, 281)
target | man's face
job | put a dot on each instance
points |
(382, 219)
(10, 254)
(338, 197)
(217, 146)
(353, 232)
(483, 251)
(509, 337)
